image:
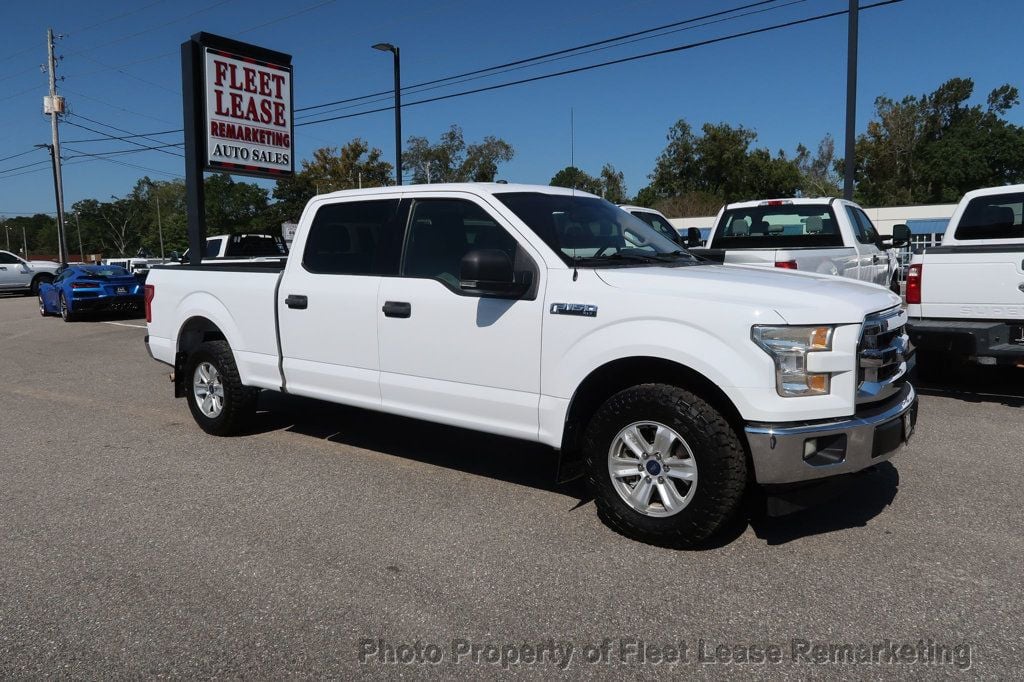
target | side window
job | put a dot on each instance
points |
(212, 248)
(8, 259)
(999, 216)
(862, 226)
(354, 238)
(442, 231)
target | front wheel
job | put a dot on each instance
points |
(664, 465)
(219, 402)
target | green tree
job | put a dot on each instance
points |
(451, 160)
(573, 178)
(819, 176)
(613, 184)
(234, 207)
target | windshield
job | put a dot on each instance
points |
(777, 227)
(592, 232)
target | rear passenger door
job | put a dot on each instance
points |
(327, 301)
(454, 357)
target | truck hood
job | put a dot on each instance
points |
(799, 297)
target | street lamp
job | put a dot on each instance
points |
(388, 47)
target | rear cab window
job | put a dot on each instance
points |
(778, 227)
(355, 238)
(998, 216)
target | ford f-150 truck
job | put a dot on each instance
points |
(829, 236)
(966, 296)
(552, 316)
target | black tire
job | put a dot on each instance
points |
(933, 368)
(66, 312)
(239, 402)
(33, 289)
(895, 287)
(721, 462)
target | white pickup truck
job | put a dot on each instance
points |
(966, 297)
(18, 274)
(824, 235)
(551, 316)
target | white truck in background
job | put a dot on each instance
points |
(241, 246)
(534, 312)
(659, 222)
(966, 296)
(18, 274)
(824, 235)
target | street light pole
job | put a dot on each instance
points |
(388, 47)
(78, 226)
(851, 101)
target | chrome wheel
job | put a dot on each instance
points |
(42, 306)
(652, 469)
(208, 390)
(63, 307)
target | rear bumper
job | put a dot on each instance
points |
(787, 453)
(114, 304)
(974, 338)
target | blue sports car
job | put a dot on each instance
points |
(79, 289)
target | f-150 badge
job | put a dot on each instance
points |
(579, 309)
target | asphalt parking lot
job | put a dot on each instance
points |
(135, 545)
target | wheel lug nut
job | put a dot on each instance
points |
(661, 479)
(666, 468)
(639, 467)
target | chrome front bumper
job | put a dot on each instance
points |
(784, 453)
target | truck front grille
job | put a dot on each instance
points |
(884, 356)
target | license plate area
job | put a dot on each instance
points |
(1017, 334)
(121, 290)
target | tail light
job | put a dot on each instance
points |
(914, 276)
(84, 285)
(150, 292)
(786, 264)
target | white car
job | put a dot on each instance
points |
(552, 316)
(966, 296)
(18, 274)
(824, 235)
(659, 222)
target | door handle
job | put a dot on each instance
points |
(397, 309)
(296, 301)
(3, 267)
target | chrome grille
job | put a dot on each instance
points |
(884, 356)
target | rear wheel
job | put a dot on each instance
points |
(664, 465)
(219, 402)
(66, 312)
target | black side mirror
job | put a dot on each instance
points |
(489, 272)
(693, 237)
(174, 255)
(900, 235)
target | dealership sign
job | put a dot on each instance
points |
(243, 101)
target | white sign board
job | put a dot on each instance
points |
(248, 115)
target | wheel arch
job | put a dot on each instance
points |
(605, 381)
(195, 331)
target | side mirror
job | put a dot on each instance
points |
(489, 272)
(174, 255)
(900, 235)
(693, 237)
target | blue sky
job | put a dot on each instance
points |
(121, 68)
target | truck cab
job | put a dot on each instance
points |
(18, 274)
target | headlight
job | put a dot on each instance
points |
(788, 347)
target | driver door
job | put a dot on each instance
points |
(455, 357)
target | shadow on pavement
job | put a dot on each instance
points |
(849, 502)
(976, 384)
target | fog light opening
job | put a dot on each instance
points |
(825, 450)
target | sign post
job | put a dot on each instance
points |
(237, 106)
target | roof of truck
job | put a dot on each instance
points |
(470, 187)
(802, 201)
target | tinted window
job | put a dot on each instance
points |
(777, 227)
(8, 259)
(213, 247)
(442, 231)
(255, 245)
(590, 231)
(354, 238)
(862, 226)
(993, 217)
(658, 223)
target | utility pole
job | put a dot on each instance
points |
(81, 251)
(851, 101)
(54, 106)
(24, 243)
(7, 231)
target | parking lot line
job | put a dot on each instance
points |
(125, 324)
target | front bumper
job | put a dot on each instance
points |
(973, 338)
(787, 453)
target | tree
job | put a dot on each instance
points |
(819, 176)
(613, 184)
(234, 207)
(573, 178)
(354, 165)
(450, 160)
(934, 148)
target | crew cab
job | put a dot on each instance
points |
(539, 313)
(966, 296)
(18, 274)
(824, 235)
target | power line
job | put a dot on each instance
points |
(123, 163)
(118, 152)
(109, 138)
(122, 130)
(14, 156)
(622, 60)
